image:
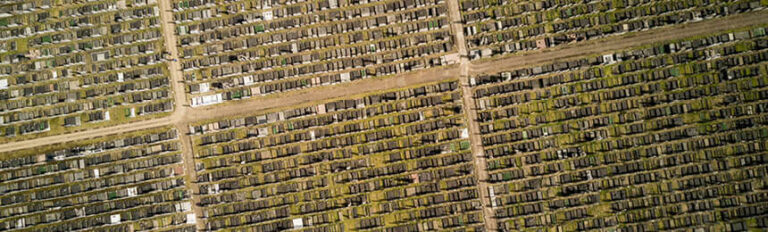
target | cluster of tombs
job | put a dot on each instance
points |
(664, 137)
(128, 182)
(505, 27)
(393, 161)
(86, 62)
(256, 48)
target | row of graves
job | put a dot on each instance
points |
(497, 27)
(393, 161)
(239, 49)
(670, 136)
(128, 182)
(67, 65)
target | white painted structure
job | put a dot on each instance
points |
(207, 100)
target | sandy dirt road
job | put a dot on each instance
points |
(619, 42)
(181, 107)
(481, 170)
(93, 133)
(477, 147)
(291, 98)
(184, 114)
(189, 170)
(174, 65)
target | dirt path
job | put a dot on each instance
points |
(94, 133)
(174, 65)
(454, 16)
(183, 114)
(481, 170)
(190, 172)
(477, 147)
(320, 93)
(619, 42)
(181, 107)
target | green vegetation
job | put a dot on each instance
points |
(381, 160)
(629, 144)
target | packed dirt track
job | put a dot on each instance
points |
(93, 133)
(629, 40)
(184, 115)
(293, 98)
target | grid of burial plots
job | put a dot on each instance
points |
(130, 182)
(392, 161)
(664, 137)
(237, 49)
(494, 27)
(67, 65)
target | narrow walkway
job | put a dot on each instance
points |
(180, 107)
(174, 65)
(190, 172)
(475, 141)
